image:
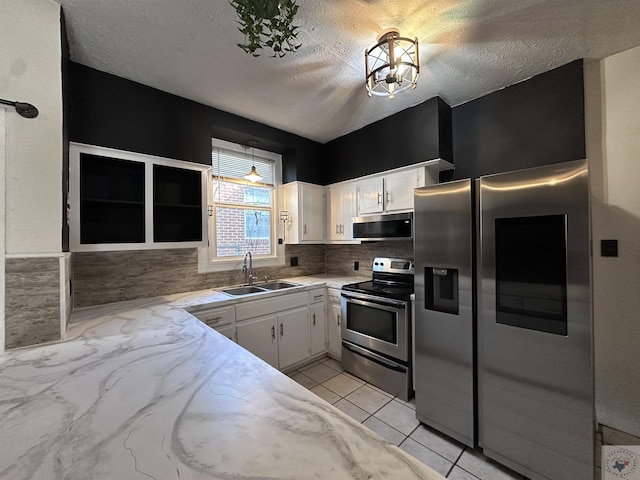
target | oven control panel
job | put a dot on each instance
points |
(393, 265)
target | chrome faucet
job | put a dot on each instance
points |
(249, 273)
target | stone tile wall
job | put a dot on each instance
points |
(32, 298)
(68, 288)
(340, 258)
(105, 277)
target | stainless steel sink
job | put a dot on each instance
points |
(277, 285)
(243, 290)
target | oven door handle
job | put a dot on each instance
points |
(373, 357)
(370, 299)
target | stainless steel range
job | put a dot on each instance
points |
(376, 332)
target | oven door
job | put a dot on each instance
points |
(377, 323)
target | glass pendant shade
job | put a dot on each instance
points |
(253, 175)
(392, 65)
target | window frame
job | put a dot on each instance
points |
(207, 260)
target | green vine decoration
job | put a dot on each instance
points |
(267, 24)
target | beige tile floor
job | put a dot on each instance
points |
(395, 420)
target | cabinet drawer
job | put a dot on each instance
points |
(334, 295)
(272, 305)
(215, 317)
(317, 295)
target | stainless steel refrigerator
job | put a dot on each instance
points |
(444, 323)
(531, 343)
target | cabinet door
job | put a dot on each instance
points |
(312, 215)
(334, 207)
(177, 204)
(335, 335)
(349, 210)
(318, 320)
(370, 196)
(293, 336)
(110, 193)
(399, 190)
(228, 331)
(260, 338)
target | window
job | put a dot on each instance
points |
(243, 216)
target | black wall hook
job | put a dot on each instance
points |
(24, 109)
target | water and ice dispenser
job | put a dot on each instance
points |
(441, 289)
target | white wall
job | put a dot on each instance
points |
(612, 88)
(2, 281)
(30, 71)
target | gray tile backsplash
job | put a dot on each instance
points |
(32, 301)
(340, 258)
(106, 277)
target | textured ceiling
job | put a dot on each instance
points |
(467, 48)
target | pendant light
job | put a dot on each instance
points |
(253, 176)
(392, 65)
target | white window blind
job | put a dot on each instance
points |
(231, 165)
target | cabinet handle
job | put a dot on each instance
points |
(379, 198)
(388, 197)
(273, 333)
(281, 329)
(314, 319)
(341, 228)
(337, 228)
(338, 320)
(304, 229)
(318, 296)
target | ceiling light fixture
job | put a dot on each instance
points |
(253, 176)
(392, 65)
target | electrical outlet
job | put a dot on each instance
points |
(293, 261)
(356, 265)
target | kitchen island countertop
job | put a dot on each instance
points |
(143, 390)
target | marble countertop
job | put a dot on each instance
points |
(143, 390)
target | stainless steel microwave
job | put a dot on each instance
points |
(391, 226)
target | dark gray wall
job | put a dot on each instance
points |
(536, 122)
(113, 112)
(411, 136)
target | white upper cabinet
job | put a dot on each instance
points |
(393, 191)
(342, 208)
(371, 196)
(305, 203)
(398, 189)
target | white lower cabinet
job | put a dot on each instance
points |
(258, 335)
(221, 319)
(228, 331)
(318, 320)
(334, 324)
(281, 334)
(283, 331)
(293, 339)
(318, 329)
